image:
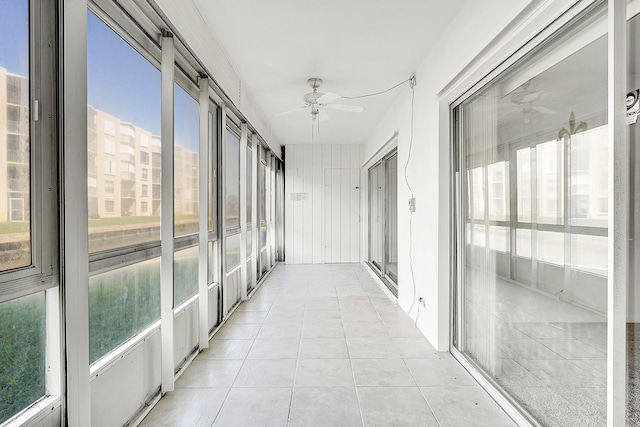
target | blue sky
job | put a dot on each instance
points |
(14, 46)
(123, 83)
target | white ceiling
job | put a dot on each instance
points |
(356, 46)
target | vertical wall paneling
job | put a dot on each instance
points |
(322, 203)
(345, 213)
(298, 211)
(316, 205)
(307, 207)
(289, 217)
(354, 216)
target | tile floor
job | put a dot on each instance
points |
(322, 345)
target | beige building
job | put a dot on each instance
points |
(14, 147)
(124, 170)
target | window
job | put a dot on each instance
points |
(144, 207)
(28, 209)
(232, 180)
(108, 187)
(144, 157)
(144, 191)
(249, 184)
(109, 147)
(124, 94)
(15, 179)
(186, 158)
(16, 208)
(122, 302)
(109, 167)
(185, 274)
(22, 371)
(526, 135)
(145, 173)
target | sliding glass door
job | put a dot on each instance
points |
(532, 232)
(383, 219)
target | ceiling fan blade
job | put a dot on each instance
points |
(323, 116)
(348, 108)
(544, 110)
(328, 97)
(284, 113)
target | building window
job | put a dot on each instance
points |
(108, 187)
(145, 173)
(144, 190)
(144, 207)
(109, 146)
(109, 167)
(109, 206)
(144, 157)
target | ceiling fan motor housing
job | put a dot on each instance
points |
(312, 97)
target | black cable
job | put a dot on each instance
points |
(378, 93)
(413, 278)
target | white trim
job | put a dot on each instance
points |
(167, 213)
(503, 402)
(104, 363)
(242, 206)
(74, 202)
(203, 211)
(34, 414)
(383, 151)
(620, 201)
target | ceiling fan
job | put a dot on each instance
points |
(318, 102)
(527, 99)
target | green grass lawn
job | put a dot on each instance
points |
(130, 220)
(14, 227)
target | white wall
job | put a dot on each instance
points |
(305, 167)
(476, 41)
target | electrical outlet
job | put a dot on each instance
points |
(412, 204)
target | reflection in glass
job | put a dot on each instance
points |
(534, 319)
(185, 162)
(232, 180)
(392, 217)
(249, 185)
(15, 160)
(123, 142)
(376, 215)
(122, 303)
(633, 294)
(249, 253)
(22, 357)
(185, 275)
(233, 252)
(213, 131)
(233, 276)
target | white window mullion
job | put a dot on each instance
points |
(167, 212)
(203, 171)
(619, 202)
(222, 197)
(243, 211)
(255, 223)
